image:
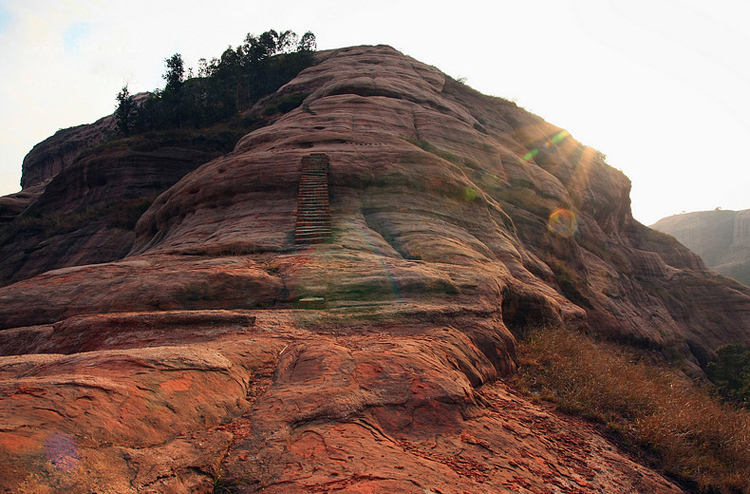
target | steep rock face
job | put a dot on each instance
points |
(458, 187)
(119, 173)
(86, 213)
(54, 154)
(721, 238)
(438, 191)
(455, 217)
(58, 152)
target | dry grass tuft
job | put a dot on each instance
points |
(695, 438)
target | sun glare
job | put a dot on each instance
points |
(563, 222)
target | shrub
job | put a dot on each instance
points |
(285, 104)
(731, 373)
(692, 436)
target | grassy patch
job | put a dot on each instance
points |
(220, 137)
(127, 214)
(691, 436)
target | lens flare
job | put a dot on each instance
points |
(563, 222)
(62, 452)
(559, 137)
(528, 156)
(555, 139)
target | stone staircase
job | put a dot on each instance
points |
(313, 208)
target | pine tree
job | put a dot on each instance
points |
(125, 114)
(175, 74)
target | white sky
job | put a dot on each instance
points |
(662, 87)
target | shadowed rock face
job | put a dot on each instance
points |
(54, 154)
(721, 238)
(86, 213)
(14, 204)
(82, 196)
(455, 217)
(58, 152)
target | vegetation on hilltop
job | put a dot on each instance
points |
(204, 111)
(221, 89)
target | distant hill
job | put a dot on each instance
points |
(721, 238)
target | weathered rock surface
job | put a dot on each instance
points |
(721, 238)
(14, 204)
(287, 402)
(187, 366)
(86, 213)
(54, 154)
(451, 192)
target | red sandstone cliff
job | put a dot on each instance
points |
(454, 218)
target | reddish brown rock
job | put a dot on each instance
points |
(86, 213)
(14, 204)
(149, 374)
(273, 407)
(142, 285)
(107, 420)
(54, 154)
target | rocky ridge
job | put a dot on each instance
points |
(54, 154)
(455, 218)
(59, 151)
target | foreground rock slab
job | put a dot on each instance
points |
(285, 402)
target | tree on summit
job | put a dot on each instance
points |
(172, 95)
(224, 87)
(268, 44)
(126, 112)
(175, 74)
(308, 42)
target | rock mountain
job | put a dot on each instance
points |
(721, 238)
(167, 326)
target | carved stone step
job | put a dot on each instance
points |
(313, 223)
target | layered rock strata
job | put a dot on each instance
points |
(455, 218)
(54, 154)
(86, 214)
